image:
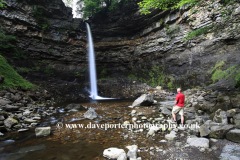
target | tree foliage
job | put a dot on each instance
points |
(2, 3)
(90, 7)
(147, 5)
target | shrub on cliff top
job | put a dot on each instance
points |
(11, 77)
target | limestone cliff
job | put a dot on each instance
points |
(56, 58)
(133, 42)
(149, 48)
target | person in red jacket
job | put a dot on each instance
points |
(179, 106)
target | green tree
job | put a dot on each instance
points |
(90, 7)
(147, 5)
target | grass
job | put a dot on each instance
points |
(25, 69)
(173, 29)
(198, 32)
(237, 80)
(154, 77)
(11, 78)
(218, 65)
(223, 74)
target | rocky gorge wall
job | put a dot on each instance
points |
(55, 58)
(135, 43)
(128, 47)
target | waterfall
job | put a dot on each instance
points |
(92, 67)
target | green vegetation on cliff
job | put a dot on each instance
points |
(198, 32)
(41, 20)
(6, 41)
(232, 72)
(11, 77)
(2, 3)
(147, 5)
(237, 81)
(154, 77)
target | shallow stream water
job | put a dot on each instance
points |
(89, 143)
(74, 143)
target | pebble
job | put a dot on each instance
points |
(159, 150)
(213, 140)
(144, 118)
(202, 150)
(134, 119)
(23, 130)
(178, 144)
(214, 148)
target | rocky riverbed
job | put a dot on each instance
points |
(214, 132)
(21, 109)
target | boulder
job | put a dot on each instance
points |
(42, 131)
(220, 117)
(29, 120)
(16, 97)
(132, 151)
(143, 100)
(236, 119)
(90, 114)
(220, 131)
(171, 136)
(4, 102)
(123, 156)
(236, 102)
(204, 131)
(198, 142)
(232, 112)
(208, 105)
(113, 153)
(9, 122)
(233, 135)
(200, 99)
(11, 108)
(165, 111)
(152, 130)
(26, 113)
(2, 118)
(230, 152)
(225, 105)
(75, 107)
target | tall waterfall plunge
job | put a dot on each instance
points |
(92, 67)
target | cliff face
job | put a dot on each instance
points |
(56, 57)
(127, 44)
(133, 43)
